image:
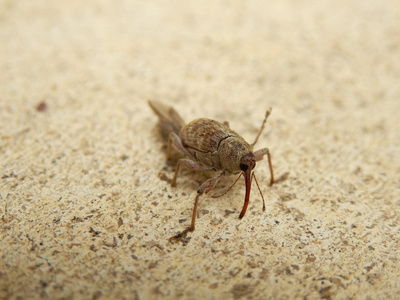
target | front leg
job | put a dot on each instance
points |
(259, 155)
(204, 188)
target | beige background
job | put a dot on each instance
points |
(83, 211)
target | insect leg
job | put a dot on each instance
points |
(204, 188)
(259, 155)
(175, 140)
(262, 126)
(190, 164)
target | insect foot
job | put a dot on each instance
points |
(209, 145)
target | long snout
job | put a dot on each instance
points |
(247, 180)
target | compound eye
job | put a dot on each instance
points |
(243, 167)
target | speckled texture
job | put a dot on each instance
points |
(84, 213)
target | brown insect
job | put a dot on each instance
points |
(209, 145)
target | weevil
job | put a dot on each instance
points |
(209, 145)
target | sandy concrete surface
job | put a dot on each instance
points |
(85, 207)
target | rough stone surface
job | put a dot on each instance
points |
(85, 209)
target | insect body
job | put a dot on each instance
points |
(210, 146)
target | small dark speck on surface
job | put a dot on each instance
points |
(124, 157)
(41, 107)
